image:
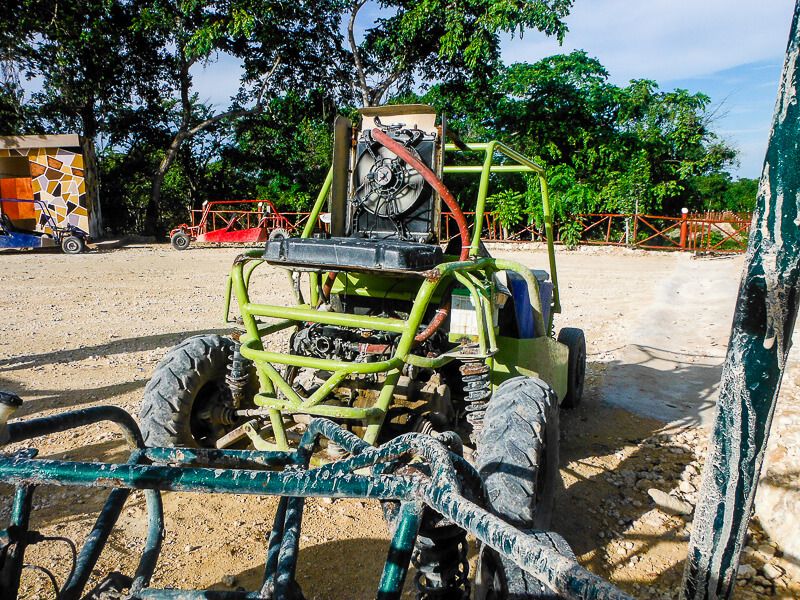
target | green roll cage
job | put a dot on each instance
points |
(475, 275)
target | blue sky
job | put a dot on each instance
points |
(731, 50)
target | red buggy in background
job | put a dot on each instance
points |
(232, 221)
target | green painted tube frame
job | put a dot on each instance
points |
(272, 383)
(523, 165)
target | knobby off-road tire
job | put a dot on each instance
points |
(278, 234)
(518, 462)
(188, 379)
(574, 339)
(500, 579)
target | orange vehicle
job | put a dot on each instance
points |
(232, 221)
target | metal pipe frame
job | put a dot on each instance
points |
(17, 536)
(426, 461)
(522, 165)
(277, 396)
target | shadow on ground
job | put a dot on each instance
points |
(599, 441)
(120, 346)
(348, 568)
(666, 385)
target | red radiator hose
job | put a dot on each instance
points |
(436, 183)
(436, 322)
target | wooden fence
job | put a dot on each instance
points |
(725, 232)
(717, 232)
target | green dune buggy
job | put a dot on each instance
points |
(390, 333)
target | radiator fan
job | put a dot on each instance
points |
(386, 186)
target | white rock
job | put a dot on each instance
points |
(771, 571)
(668, 504)
(746, 572)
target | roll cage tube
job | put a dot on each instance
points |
(522, 165)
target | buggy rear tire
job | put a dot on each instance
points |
(72, 244)
(180, 240)
(518, 462)
(575, 340)
(186, 384)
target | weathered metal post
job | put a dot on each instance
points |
(763, 322)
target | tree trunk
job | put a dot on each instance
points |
(152, 216)
(152, 219)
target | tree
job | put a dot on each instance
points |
(89, 58)
(283, 46)
(438, 40)
(282, 154)
(607, 147)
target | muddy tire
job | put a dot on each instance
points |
(72, 244)
(499, 578)
(518, 452)
(518, 462)
(574, 339)
(180, 240)
(187, 382)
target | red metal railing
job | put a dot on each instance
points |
(721, 232)
(693, 233)
(710, 232)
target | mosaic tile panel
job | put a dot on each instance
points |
(60, 179)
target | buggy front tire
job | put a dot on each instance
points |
(575, 340)
(72, 244)
(499, 578)
(186, 394)
(518, 463)
(180, 240)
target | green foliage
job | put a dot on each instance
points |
(508, 207)
(285, 194)
(570, 233)
(608, 148)
(438, 40)
(718, 192)
(121, 72)
(740, 196)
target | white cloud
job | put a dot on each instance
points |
(667, 39)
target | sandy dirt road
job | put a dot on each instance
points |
(83, 330)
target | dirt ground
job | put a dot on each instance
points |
(84, 330)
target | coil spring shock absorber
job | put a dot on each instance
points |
(238, 372)
(440, 558)
(477, 391)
